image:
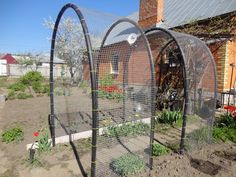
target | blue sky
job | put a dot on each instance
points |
(22, 27)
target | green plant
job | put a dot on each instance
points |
(128, 164)
(37, 87)
(107, 80)
(169, 117)
(45, 88)
(18, 86)
(43, 144)
(226, 120)
(13, 134)
(127, 129)
(31, 77)
(117, 96)
(224, 134)
(159, 150)
(23, 95)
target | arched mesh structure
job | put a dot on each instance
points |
(72, 86)
(125, 81)
(186, 89)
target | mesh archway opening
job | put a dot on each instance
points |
(125, 82)
(72, 91)
(186, 89)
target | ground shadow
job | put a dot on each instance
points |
(76, 154)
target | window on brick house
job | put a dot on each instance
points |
(114, 63)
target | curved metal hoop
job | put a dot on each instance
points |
(92, 77)
(152, 73)
(186, 81)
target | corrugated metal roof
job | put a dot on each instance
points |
(177, 13)
(180, 12)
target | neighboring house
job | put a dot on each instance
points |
(5, 61)
(171, 14)
(9, 59)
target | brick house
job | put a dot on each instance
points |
(171, 14)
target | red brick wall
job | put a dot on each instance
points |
(150, 12)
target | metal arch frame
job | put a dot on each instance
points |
(153, 80)
(186, 83)
(92, 77)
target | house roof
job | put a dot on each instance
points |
(45, 58)
(179, 12)
(10, 59)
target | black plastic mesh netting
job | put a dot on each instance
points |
(125, 92)
(186, 89)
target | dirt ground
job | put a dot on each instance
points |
(214, 160)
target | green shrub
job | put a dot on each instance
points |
(31, 77)
(128, 129)
(18, 86)
(23, 95)
(11, 95)
(128, 164)
(159, 150)
(13, 134)
(37, 87)
(170, 117)
(46, 88)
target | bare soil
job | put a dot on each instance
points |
(213, 160)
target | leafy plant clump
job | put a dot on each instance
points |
(226, 120)
(170, 117)
(13, 134)
(225, 129)
(128, 164)
(44, 145)
(128, 129)
(224, 134)
(159, 150)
